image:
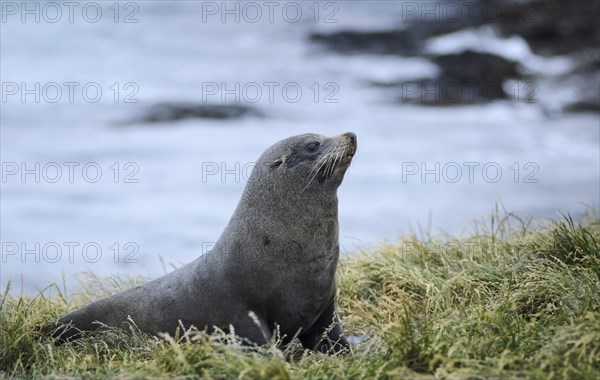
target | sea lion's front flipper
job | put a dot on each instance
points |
(326, 333)
(110, 311)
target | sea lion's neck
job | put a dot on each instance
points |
(301, 228)
(267, 199)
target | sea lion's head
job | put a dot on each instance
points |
(312, 161)
(290, 201)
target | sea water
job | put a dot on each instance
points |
(131, 194)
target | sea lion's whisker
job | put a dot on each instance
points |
(335, 159)
(323, 160)
(318, 165)
(319, 162)
(328, 166)
(332, 162)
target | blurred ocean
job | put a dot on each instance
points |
(535, 164)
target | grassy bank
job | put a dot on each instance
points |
(508, 301)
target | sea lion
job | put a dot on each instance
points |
(273, 266)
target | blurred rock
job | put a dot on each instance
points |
(165, 112)
(396, 42)
(550, 27)
(553, 27)
(465, 78)
(475, 67)
(586, 79)
(407, 40)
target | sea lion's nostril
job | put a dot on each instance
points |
(351, 136)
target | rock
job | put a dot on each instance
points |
(165, 112)
(408, 40)
(554, 27)
(586, 79)
(465, 78)
(587, 105)
(396, 42)
(475, 67)
(550, 27)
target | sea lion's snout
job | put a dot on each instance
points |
(351, 150)
(328, 158)
(342, 152)
(351, 136)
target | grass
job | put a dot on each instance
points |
(510, 301)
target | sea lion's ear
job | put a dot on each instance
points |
(277, 162)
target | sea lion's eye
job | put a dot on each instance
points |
(312, 146)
